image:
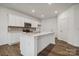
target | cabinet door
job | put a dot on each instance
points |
(12, 20)
(27, 20)
(19, 21)
(35, 23)
(13, 38)
(16, 20)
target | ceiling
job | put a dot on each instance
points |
(39, 10)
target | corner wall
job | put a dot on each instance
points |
(68, 21)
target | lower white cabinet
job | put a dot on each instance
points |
(13, 37)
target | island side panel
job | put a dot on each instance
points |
(28, 46)
(44, 40)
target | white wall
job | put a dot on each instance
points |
(67, 22)
(76, 23)
(3, 27)
(5, 36)
(49, 24)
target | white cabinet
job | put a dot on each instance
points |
(32, 21)
(11, 20)
(15, 20)
(19, 21)
(13, 37)
(34, 24)
(27, 20)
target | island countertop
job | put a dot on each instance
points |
(37, 34)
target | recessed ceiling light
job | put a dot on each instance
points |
(42, 15)
(55, 11)
(33, 11)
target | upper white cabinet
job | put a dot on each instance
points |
(35, 24)
(19, 21)
(15, 20)
(11, 20)
(32, 21)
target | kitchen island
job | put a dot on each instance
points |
(32, 43)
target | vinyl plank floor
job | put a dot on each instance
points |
(46, 51)
(10, 50)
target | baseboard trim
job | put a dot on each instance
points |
(13, 43)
